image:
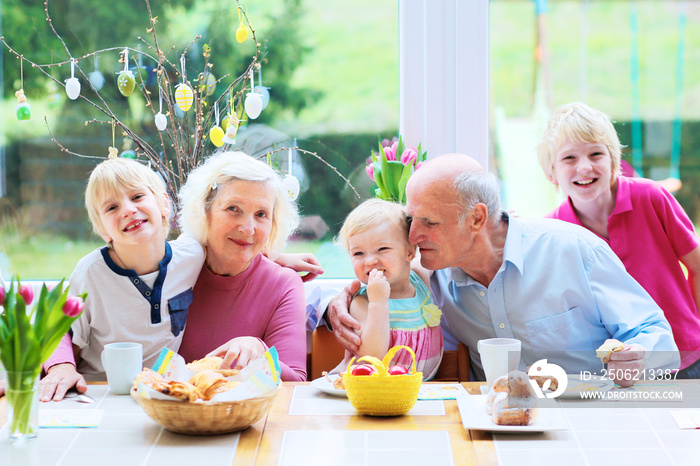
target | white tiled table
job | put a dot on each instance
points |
(610, 432)
(125, 436)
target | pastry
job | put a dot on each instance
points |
(184, 391)
(209, 383)
(542, 380)
(607, 349)
(511, 400)
(211, 363)
(146, 376)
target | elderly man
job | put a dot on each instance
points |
(554, 286)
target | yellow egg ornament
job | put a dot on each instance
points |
(216, 134)
(241, 33)
(184, 97)
(126, 83)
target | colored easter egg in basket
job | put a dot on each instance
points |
(184, 97)
(161, 121)
(241, 33)
(253, 105)
(126, 83)
(216, 134)
(291, 184)
(72, 88)
(23, 111)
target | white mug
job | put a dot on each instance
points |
(122, 361)
(498, 357)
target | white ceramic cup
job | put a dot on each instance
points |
(498, 357)
(122, 361)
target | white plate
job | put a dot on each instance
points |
(323, 384)
(472, 409)
(575, 386)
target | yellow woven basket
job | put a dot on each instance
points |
(381, 394)
(207, 417)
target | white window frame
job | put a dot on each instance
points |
(443, 76)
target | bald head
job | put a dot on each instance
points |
(445, 168)
(455, 178)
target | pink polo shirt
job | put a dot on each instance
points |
(649, 231)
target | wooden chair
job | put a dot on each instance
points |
(326, 353)
(454, 366)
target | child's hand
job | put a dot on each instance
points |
(378, 287)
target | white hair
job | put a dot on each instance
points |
(205, 182)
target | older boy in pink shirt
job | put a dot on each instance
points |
(641, 221)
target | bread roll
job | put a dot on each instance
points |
(607, 349)
(511, 400)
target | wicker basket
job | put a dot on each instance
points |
(206, 418)
(381, 394)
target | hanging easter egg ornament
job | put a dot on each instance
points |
(242, 31)
(208, 82)
(262, 90)
(216, 134)
(126, 82)
(253, 101)
(160, 119)
(22, 109)
(72, 83)
(290, 182)
(184, 97)
(230, 134)
(96, 78)
(128, 154)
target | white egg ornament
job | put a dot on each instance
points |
(184, 97)
(253, 105)
(291, 184)
(72, 83)
(72, 88)
(161, 121)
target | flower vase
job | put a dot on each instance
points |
(22, 391)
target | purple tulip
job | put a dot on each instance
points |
(27, 293)
(409, 156)
(73, 306)
(370, 171)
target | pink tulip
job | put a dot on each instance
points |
(27, 293)
(2, 295)
(390, 152)
(73, 306)
(370, 171)
(418, 165)
(409, 156)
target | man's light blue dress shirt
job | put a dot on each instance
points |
(562, 292)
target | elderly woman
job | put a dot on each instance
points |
(244, 303)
